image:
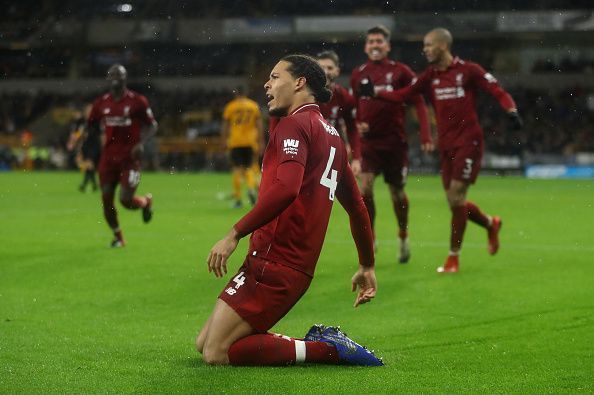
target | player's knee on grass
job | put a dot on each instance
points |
(214, 354)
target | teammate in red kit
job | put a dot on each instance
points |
(340, 107)
(304, 168)
(384, 145)
(452, 84)
(121, 114)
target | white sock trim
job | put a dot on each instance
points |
(299, 351)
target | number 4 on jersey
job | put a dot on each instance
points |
(330, 175)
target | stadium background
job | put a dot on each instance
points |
(188, 56)
(78, 317)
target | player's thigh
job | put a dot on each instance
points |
(225, 327)
(396, 166)
(129, 178)
(262, 292)
(466, 163)
(108, 178)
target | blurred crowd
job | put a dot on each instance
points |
(561, 124)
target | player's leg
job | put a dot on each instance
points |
(252, 302)
(250, 176)
(222, 329)
(108, 179)
(370, 168)
(396, 171)
(366, 181)
(129, 181)
(236, 175)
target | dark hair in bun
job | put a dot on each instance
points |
(307, 67)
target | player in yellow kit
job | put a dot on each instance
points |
(242, 134)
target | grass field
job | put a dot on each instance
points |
(78, 317)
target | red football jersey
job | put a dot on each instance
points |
(341, 106)
(452, 93)
(295, 237)
(122, 121)
(386, 120)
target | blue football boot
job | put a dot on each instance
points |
(349, 352)
(314, 334)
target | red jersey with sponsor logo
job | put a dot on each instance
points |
(295, 237)
(341, 106)
(452, 93)
(385, 119)
(121, 121)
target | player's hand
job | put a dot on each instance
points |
(515, 120)
(137, 151)
(427, 147)
(362, 127)
(220, 252)
(364, 281)
(366, 88)
(356, 167)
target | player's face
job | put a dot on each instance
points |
(377, 47)
(280, 89)
(116, 76)
(433, 49)
(330, 68)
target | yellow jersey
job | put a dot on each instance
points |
(242, 115)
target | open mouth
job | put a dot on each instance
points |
(269, 97)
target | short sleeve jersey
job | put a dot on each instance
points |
(122, 121)
(295, 237)
(385, 119)
(242, 115)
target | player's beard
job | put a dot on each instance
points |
(278, 111)
(117, 86)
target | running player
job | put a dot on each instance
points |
(384, 144)
(452, 85)
(121, 114)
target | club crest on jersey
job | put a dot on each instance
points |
(290, 146)
(459, 77)
(389, 77)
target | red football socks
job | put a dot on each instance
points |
(459, 219)
(401, 210)
(109, 210)
(276, 350)
(476, 215)
(139, 202)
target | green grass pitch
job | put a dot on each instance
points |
(79, 317)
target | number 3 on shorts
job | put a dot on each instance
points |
(330, 182)
(134, 178)
(467, 171)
